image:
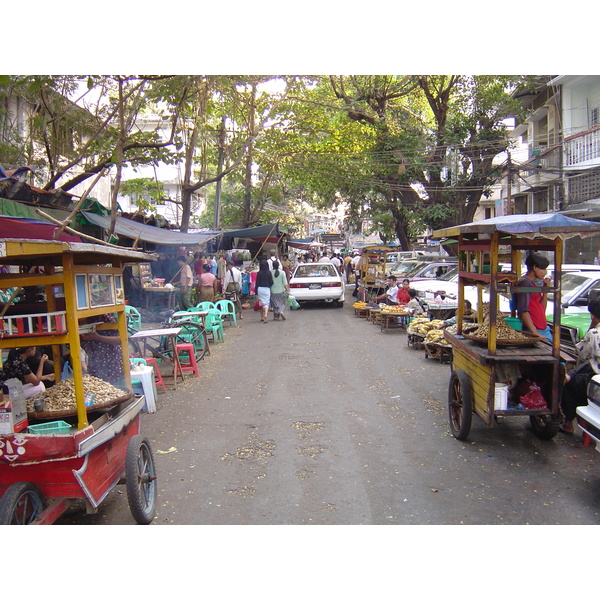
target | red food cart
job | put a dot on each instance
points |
(50, 464)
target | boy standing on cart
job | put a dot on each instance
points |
(531, 306)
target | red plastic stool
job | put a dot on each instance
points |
(190, 363)
(157, 376)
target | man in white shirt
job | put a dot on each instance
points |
(355, 268)
(233, 284)
(336, 262)
(272, 259)
(186, 280)
(324, 258)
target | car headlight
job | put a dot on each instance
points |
(593, 391)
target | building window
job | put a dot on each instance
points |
(594, 116)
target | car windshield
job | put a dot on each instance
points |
(572, 281)
(315, 270)
(407, 266)
(449, 275)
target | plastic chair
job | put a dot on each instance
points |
(134, 318)
(214, 325)
(227, 310)
(187, 358)
(157, 376)
(205, 306)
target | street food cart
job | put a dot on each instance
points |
(372, 271)
(493, 365)
(83, 446)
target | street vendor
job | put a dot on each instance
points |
(184, 285)
(389, 296)
(531, 306)
(453, 320)
(574, 391)
(414, 303)
(207, 285)
(402, 297)
(15, 366)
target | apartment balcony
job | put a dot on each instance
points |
(541, 170)
(583, 148)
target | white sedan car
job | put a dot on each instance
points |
(312, 282)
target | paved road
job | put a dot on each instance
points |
(323, 419)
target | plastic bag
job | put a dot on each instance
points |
(258, 305)
(67, 372)
(293, 303)
(533, 398)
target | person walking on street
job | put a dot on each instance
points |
(232, 284)
(264, 281)
(185, 283)
(207, 285)
(279, 291)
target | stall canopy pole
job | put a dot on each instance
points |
(261, 246)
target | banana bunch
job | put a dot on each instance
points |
(359, 305)
(436, 336)
(422, 325)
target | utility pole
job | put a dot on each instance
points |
(509, 208)
(217, 218)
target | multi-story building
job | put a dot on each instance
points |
(562, 171)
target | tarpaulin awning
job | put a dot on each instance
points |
(550, 225)
(149, 233)
(270, 233)
(303, 244)
(18, 228)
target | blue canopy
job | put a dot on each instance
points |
(544, 224)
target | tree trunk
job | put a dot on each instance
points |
(248, 178)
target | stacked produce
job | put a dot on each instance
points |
(61, 397)
(423, 326)
(385, 308)
(504, 332)
(436, 336)
(359, 304)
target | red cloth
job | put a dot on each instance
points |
(31, 229)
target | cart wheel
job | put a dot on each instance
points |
(192, 333)
(21, 504)
(544, 426)
(140, 479)
(460, 404)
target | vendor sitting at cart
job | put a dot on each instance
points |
(104, 356)
(402, 297)
(574, 391)
(414, 305)
(389, 296)
(15, 366)
(468, 314)
(531, 306)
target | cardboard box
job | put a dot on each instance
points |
(13, 414)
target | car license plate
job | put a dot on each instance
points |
(314, 286)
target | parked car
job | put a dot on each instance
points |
(424, 269)
(591, 413)
(313, 282)
(394, 257)
(427, 289)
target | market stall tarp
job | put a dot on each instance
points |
(549, 225)
(301, 244)
(31, 229)
(269, 233)
(148, 233)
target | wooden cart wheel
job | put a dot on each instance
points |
(140, 479)
(544, 426)
(460, 404)
(21, 504)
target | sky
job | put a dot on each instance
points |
(269, 37)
